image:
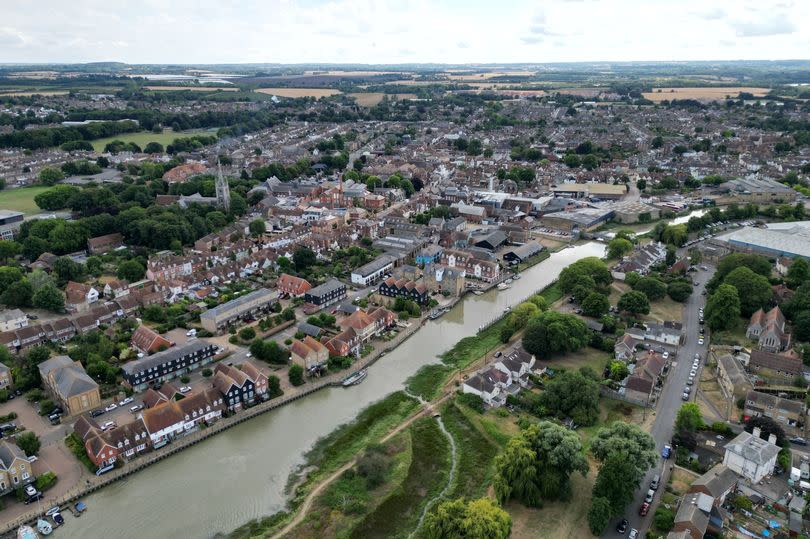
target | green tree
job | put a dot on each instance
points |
(9, 249)
(664, 519)
(476, 519)
(8, 276)
(679, 291)
(50, 175)
(798, 273)
(247, 333)
(296, 374)
(537, 464)
(617, 482)
(599, 515)
(153, 147)
(552, 332)
(18, 294)
(257, 227)
(723, 308)
(756, 263)
(49, 298)
(304, 258)
(29, 443)
(651, 287)
(595, 304)
(627, 439)
(618, 247)
(689, 418)
(801, 326)
(574, 395)
(634, 302)
(591, 266)
(753, 289)
(618, 371)
(131, 270)
(631, 278)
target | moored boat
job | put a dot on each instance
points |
(502, 286)
(355, 378)
(26, 532)
(44, 527)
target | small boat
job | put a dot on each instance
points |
(517, 276)
(355, 378)
(478, 292)
(80, 508)
(508, 281)
(436, 313)
(44, 527)
(502, 286)
(507, 309)
(26, 532)
(58, 519)
(52, 511)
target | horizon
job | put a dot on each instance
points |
(363, 32)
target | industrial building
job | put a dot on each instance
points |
(778, 239)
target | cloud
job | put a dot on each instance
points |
(11, 38)
(463, 45)
(769, 27)
(712, 14)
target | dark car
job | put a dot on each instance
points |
(798, 441)
(644, 509)
(621, 527)
(96, 413)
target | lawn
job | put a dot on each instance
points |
(611, 411)
(585, 357)
(733, 336)
(142, 138)
(665, 309)
(476, 453)
(21, 199)
(430, 466)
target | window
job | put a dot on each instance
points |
(25, 475)
(16, 479)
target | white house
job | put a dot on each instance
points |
(11, 319)
(666, 333)
(750, 456)
(491, 385)
(374, 271)
(517, 364)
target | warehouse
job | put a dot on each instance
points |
(634, 212)
(248, 306)
(779, 239)
(523, 252)
(581, 220)
(603, 191)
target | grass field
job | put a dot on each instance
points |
(428, 381)
(191, 88)
(586, 357)
(370, 99)
(21, 199)
(708, 93)
(476, 453)
(142, 138)
(34, 92)
(397, 516)
(300, 92)
(472, 348)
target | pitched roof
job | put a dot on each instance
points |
(68, 376)
(753, 448)
(778, 362)
(162, 416)
(717, 481)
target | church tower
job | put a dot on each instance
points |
(223, 191)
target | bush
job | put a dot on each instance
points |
(664, 519)
(185, 379)
(76, 446)
(45, 481)
(207, 373)
(3, 395)
(721, 428)
(28, 442)
(296, 374)
(233, 339)
(247, 334)
(35, 395)
(472, 401)
(46, 407)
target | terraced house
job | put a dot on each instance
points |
(403, 288)
(240, 388)
(789, 414)
(168, 364)
(252, 304)
(122, 442)
(170, 419)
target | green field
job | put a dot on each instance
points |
(21, 199)
(142, 138)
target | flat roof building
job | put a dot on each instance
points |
(789, 239)
(584, 190)
(251, 304)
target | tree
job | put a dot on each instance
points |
(257, 227)
(131, 270)
(675, 234)
(618, 247)
(573, 395)
(18, 294)
(591, 266)
(476, 519)
(651, 287)
(618, 371)
(67, 270)
(689, 418)
(552, 332)
(756, 263)
(304, 258)
(28, 442)
(49, 298)
(57, 197)
(634, 302)
(798, 273)
(9, 276)
(753, 289)
(723, 308)
(537, 464)
(153, 147)
(641, 184)
(8, 249)
(50, 175)
(631, 278)
(247, 333)
(801, 326)
(798, 303)
(767, 426)
(679, 291)
(625, 439)
(664, 519)
(617, 481)
(595, 304)
(296, 374)
(599, 515)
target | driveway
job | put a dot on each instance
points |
(669, 403)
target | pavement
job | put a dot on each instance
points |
(669, 402)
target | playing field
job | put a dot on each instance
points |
(142, 138)
(21, 199)
(709, 93)
(299, 92)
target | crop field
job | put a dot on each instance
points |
(299, 92)
(353, 73)
(709, 93)
(28, 93)
(142, 138)
(192, 88)
(21, 199)
(370, 99)
(490, 75)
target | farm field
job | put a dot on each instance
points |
(710, 93)
(370, 99)
(491, 75)
(192, 88)
(142, 138)
(299, 92)
(352, 73)
(34, 92)
(21, 199)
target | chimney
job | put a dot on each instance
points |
(756, 432)
(772, 439)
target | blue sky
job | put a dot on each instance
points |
(389, 31)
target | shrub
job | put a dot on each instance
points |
(76, 446)
(296, 374)
(46, 407)
(35, 395)
(28, 442)
(472, 401)
(207, 373)
(45, 481)
(185, 379)
(247, 334)
(233, 339)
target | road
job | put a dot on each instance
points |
(669, 402)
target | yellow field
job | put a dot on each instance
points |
(369, 99)
(704, 94)
(192, 88)
(300, 92)
(491, 75)
(44, 92)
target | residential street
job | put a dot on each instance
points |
(668, 404)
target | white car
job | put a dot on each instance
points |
(108, 425)
(700, 341)
(191, 333)
(110, 407)
(125, 401)
(693, 373)
(248, 355)
(666, 355)
(185, 389)
(633, 534)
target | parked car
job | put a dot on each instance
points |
(125, 401)
(185, 389)
(656, 480)
(135, 408)
(96, 413)
(621, 527)
(108, 425)
(798, 440)
(33, 458)
(633, 534)
(191, 333)
(8, 427)
(666, 452)
(498, 353)
(700, 341)
(644, 509)
(110, 407)
(685, 397)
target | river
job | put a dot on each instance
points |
(239, 475)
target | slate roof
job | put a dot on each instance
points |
(68, 377)
(753, 448)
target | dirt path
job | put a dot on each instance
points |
(426, 409)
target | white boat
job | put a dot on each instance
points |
(26, 532)
(355, 378)
(502, 286)
(478, 292)
(44, 527)
(517, 276)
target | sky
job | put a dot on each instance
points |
(401, 31)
